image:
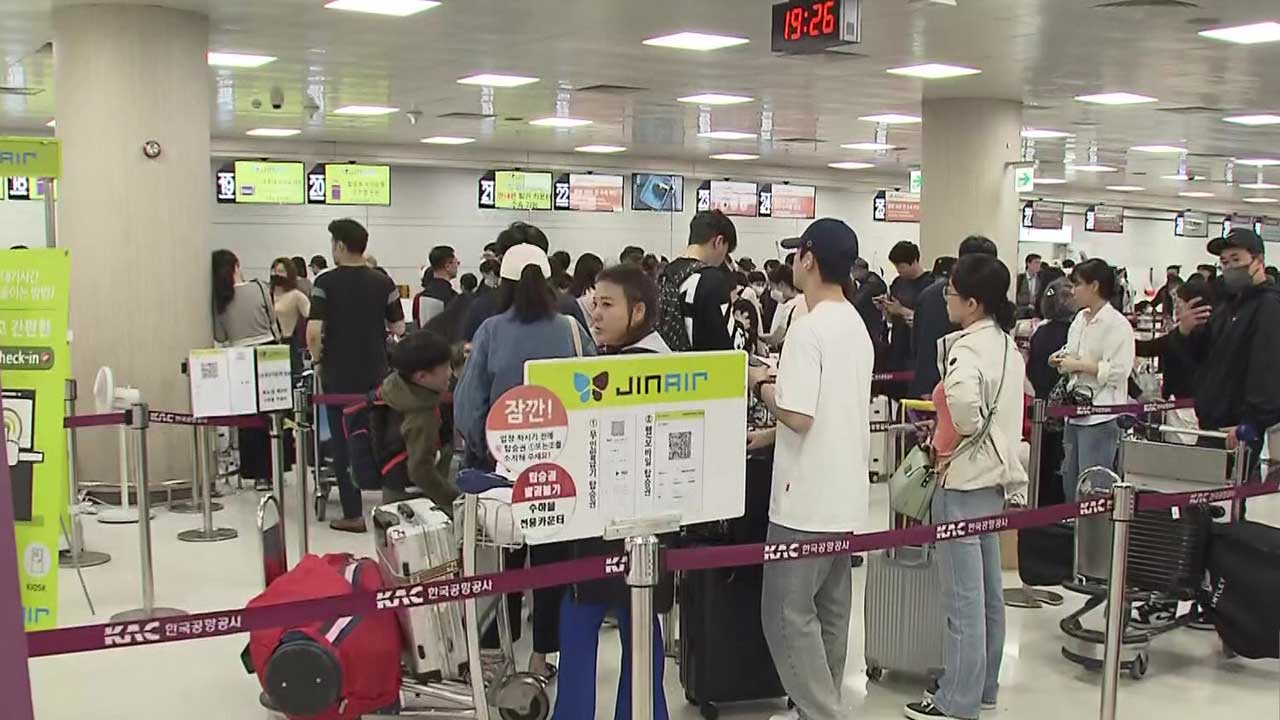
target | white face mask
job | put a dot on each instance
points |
(777, 296)
(759, 290)
(491, 281)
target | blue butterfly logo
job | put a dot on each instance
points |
(590, 388)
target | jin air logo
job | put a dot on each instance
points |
(590, 388)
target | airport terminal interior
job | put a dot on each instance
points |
(1120, 159)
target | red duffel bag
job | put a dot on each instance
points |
(333, 670)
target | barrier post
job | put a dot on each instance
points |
(138, 419)
(302, 429)
(193, 506)
(277, 466)
(642, 578)
(203, 481)
(1117, 606)
(1240, 476)
(1027, 597)
(76, 556)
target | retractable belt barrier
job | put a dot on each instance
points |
(85, 638)
(164, 417)
(1155, 406)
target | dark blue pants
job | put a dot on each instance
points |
(579, 644)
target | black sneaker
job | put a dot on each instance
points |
(933, 690)
(926, 711)
(1153, 615)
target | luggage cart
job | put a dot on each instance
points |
(1166, 549)
(490, 685)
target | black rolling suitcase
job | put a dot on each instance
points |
(1244, 573)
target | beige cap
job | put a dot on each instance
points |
(518, 257)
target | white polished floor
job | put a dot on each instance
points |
(202, 680)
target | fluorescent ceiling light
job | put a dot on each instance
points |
(1115, 98)
(869, 146)
(273, 132)
(560, 122)
(497, 80)
(1034, 134)
(1050, 181)
(1094, 168)
(1259, 199)
(715, 99)
(1196, 194)
(1163, 149)
(600, 149)
(447, 140)
(850, 165)
(241, 60)
(727, 135)
(933, 71)
(365, 110)
(1262, 32)
(1125, 188)
(394, 8)
(1260, 186)
(1179, 177)
(1252, 120)
(702, 42)
(1258, 162)
(735, 156)
(52, 124)
(891, 119)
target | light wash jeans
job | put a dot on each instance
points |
(973, 600)
(804, 610)
(1086, 446)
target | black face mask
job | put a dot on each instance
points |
(277, 281)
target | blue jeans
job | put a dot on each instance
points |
(1087, 446)
(973, 600)
(579, 644)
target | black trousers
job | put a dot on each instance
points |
(546, 602)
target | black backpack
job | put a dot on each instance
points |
(671, 301)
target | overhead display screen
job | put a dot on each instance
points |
(811, 26)
(25, 188)
(1269, 229)
(659, 193)
(791, 202)
(516, 190)
(262, 183)
(349, 184)
(728, 196)
(589, 193)
(1191, 224)
(896, 206)
(1043, 215)
(1244, 221)
(1104, 219)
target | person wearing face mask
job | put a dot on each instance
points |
(292, 307)
(488, 276)
(768, 306)
(791, 305)
(1234, 347)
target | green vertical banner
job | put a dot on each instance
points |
(35, 363)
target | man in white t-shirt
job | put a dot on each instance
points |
(820, 471)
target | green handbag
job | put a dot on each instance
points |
(912, 485)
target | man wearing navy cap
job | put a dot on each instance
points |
(820, 471)
(1234, 348)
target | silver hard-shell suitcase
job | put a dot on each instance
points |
(416, 543)
(903, 617)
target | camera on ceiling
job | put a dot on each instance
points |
(277, 98)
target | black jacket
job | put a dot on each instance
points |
(1180, 380)
(931, 323)
(1049, 338)
(1235, 359)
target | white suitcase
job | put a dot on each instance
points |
(416, 543)
(882, 443)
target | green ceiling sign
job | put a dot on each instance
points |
(30, 157)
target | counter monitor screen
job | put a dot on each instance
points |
(589, 193)
(729, 197)
(659, 193)
(790, 202)
(516, 190)
(349, 184)
(263, 183)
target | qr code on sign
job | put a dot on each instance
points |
(617, 428)
(680, 445)
(209, 371)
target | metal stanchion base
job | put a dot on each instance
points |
(140, 614)
(1048, 597)
(120, 516)
(199, 535)
(186, 507)
(88, 558)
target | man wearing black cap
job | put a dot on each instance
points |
(1235, 347)
(820, 470)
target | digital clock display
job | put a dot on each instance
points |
(807, 26)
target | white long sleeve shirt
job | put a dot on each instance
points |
(1104, 337)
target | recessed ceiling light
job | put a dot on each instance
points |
(850, 165)
(1260, 186)
(933, 71)
(1195, 194)
(52, 124)
(395, 8)
(1258, 162)
(1164, 149)
(891, 119)
(600, 149)
(735, 156)
(727, 135)
(1115, 98)
(1125, 188)
(273, 132)
(560, 122)
(1093, 168)
(447, 140)
(1253, 119)
(869, 146)
(696, 41)
(365, 110)
(497, 80)
(1259, 199)
(1050, 181)
(1180, 177)
(715, 99)
(1262, 32)
(241, 60)
(1034, 134)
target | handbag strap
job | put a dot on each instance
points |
(276, 329)
(573, 331)
(985, 430)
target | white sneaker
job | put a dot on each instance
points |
(791, 714)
